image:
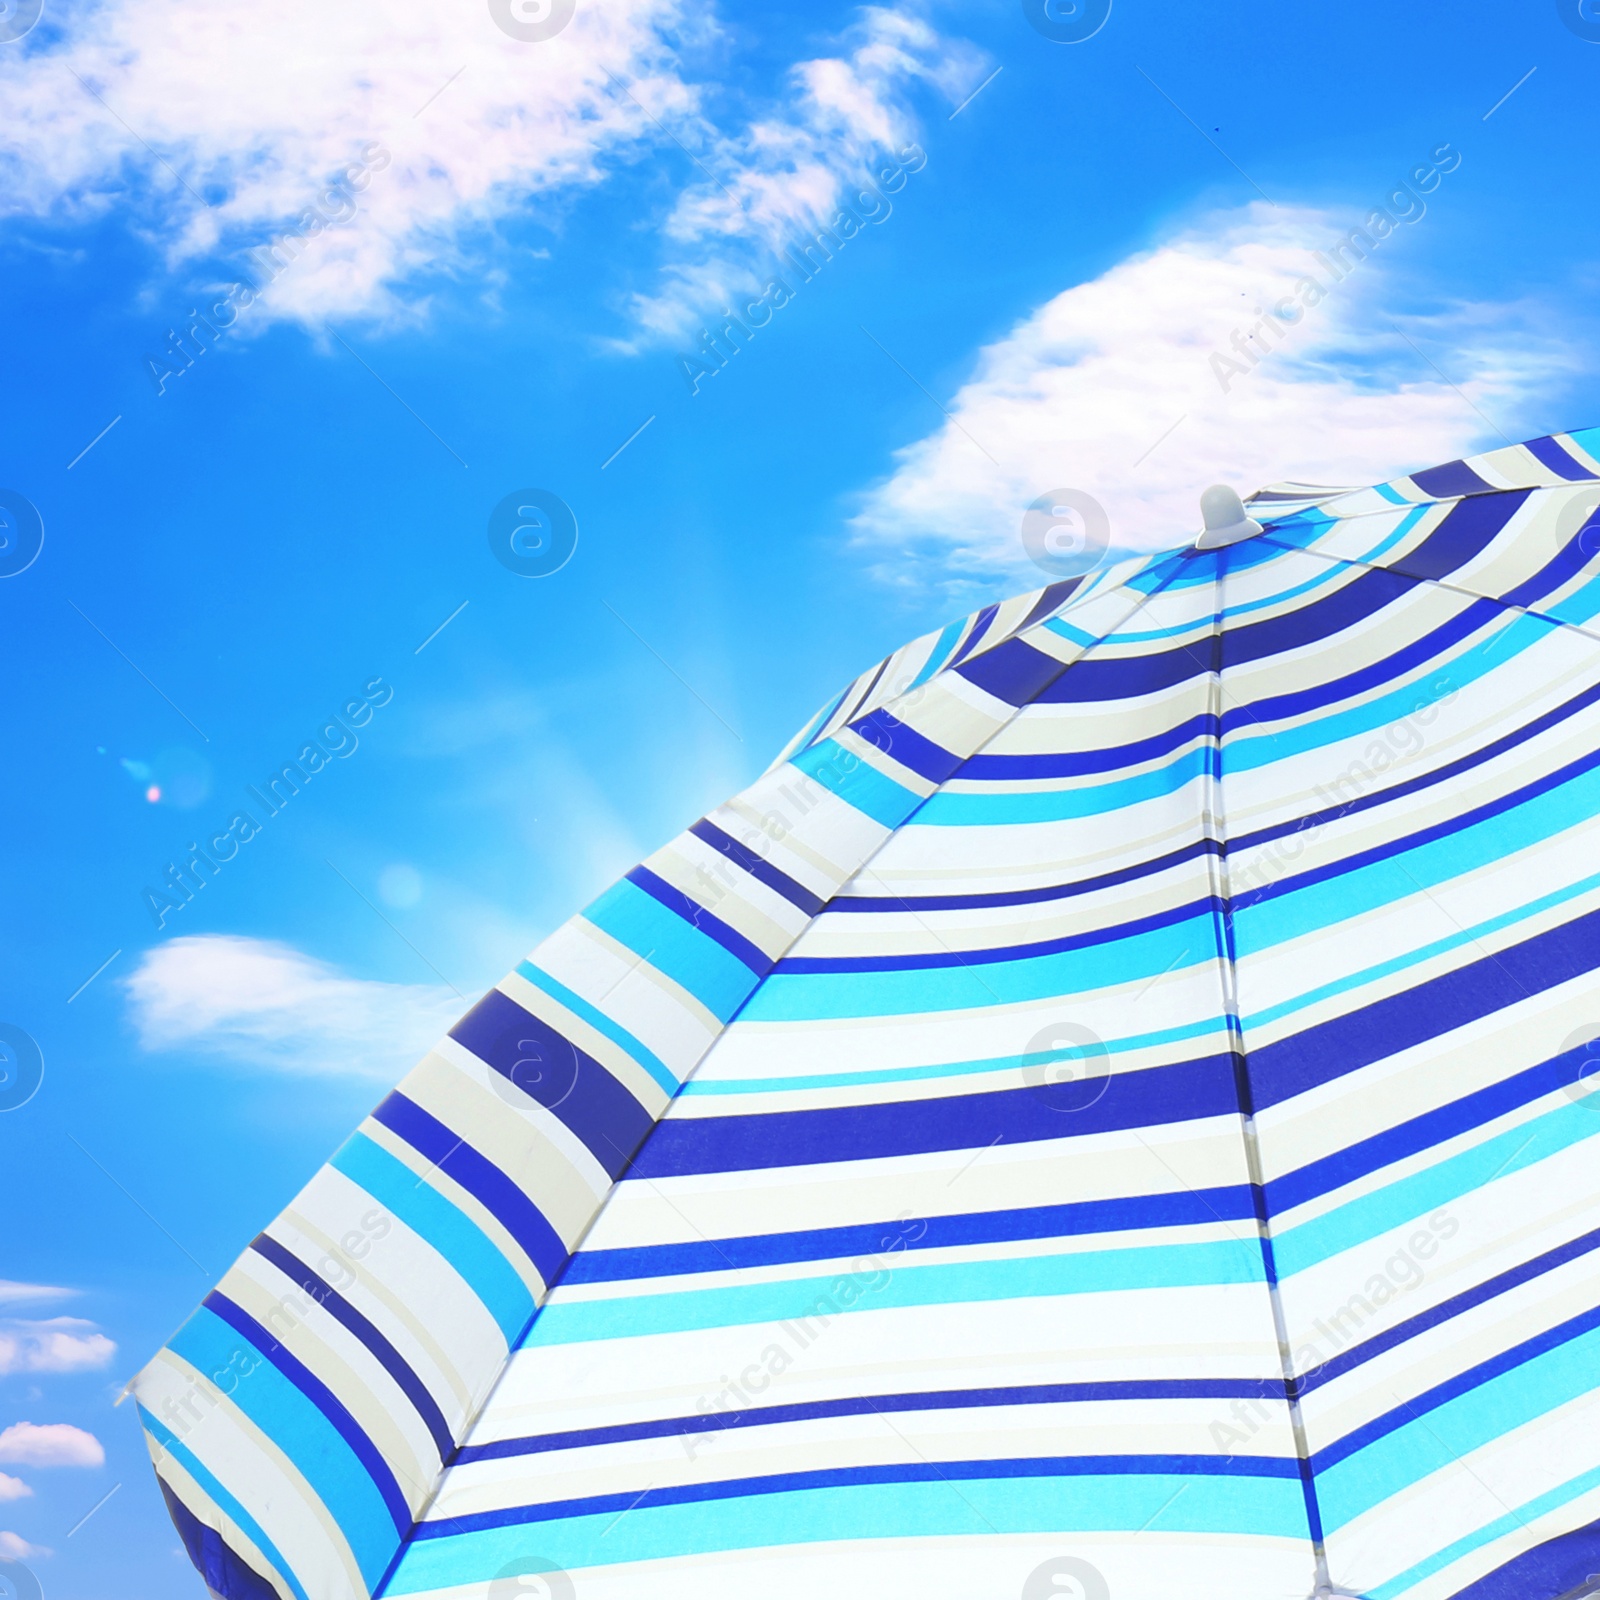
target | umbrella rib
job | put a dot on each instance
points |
(1218, 870)
(1453, 588)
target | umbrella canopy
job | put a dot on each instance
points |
(1104, 1115)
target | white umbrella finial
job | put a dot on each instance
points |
(1225, 519)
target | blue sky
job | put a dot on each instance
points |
(515, 247)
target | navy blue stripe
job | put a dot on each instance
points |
(890, 735)
(1098, 678)
(1391, 849)
(1474, 616)
(1352, 603)
(697, 916)
(1095, 678)
(866, 693)
(761, 870)
(480, 1177)
(323, 1398)
(225, 1571)
(822, 722)
(1044, 1394)
(1447, 481)
(1551, 454)
(1291, 1066)
(1559, 1569)
(1440, 830)
(1572, 559)
(1429, 1130)
(853, 1477)
(549, 1068)
(1463, 535)
(1480, 1294)
(1462, 1384)
(1180, 1209)
(1051, 598)
(390, 1359)
(928, 960)
(1026, 897)
(980, 627)
(1082, 763)
(1013, 672)
(1427, 780)
(1154, 1097)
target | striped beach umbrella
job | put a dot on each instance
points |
(1106, 1115)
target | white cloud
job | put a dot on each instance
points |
(14, 1293)
(215, 132)
(18, 1548)
(50, 1444)
(13, 1488)
(258, 114)
(1076, 394)
(788, 172)
(56, 1344)
(266, 1005)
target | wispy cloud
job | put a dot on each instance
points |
(13, 1293)
(56, 1344)
(268, 1006)
(787, 172)
(49, 1444)
(18, 1548)
(384, 144)
(224, 135)
(13, 1488)
(48, 1344)
(1115, 388)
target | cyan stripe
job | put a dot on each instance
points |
(1442, 1436)
(1223, 1261)
(1423, 953)
(942, 646)
(1517, 1521)
(1401, 530)
(1353, 1224)
(465, 1247)
(966, 809)
(1266, 1508)
(1580, 606)
(808, 996)
(1324, 576)
(293, 1423)
(949, 1069)
(857, 782)
(1444, 680)
(1269, 923)
(1588, 439)
(227, 1503)
(716, 978)
(601, 1023)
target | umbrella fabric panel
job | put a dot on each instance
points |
(1415, 934)
(914, 664)
(981, 815)
(1550, 462)
(953, 1229)
(300, 1420)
